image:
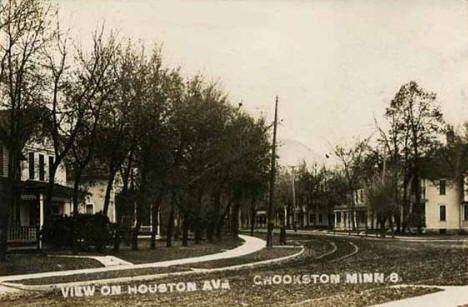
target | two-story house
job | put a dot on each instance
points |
(29, 213)
(446, 206)
(359, 212)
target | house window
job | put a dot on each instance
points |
(466, 212)
(363, 217)
(338, 217)
(442, 187)
(89, 209)
(31, 165)
(320, 218)
(51, 163)
(312, 218)
(41, 167)
(442, 213)
(362, 195)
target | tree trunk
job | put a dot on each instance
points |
(220, 223)
(253, 214)
(235, 220)
(397, 221)
(10, 198)
(117, 236)
(382, 226)
(76, 188)
(185, 230)
(197, 221)
(5, 219)
(50, 186)
(170, 222)
(213, 218)
(136, 231)
(154, 221)
(198, 231)
(391, 227)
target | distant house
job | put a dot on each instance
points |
(317, 217)
(446, 206)
(445, 203)
(363, 218)
(95, 185)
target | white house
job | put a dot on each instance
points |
(29, 213)
(363, 218)
(446, 207)
(95, 187)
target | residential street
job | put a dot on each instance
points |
(432, 264)
(217, 153)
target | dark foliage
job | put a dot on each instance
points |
(89, 230)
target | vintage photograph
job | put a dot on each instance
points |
(234, 153)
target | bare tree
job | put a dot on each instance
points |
(25, 30)
(351, 160)
(76, 88)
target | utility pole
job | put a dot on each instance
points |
(272, 182)
(293, 179)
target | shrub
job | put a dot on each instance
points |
(86, 230)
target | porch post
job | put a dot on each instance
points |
(41, 217)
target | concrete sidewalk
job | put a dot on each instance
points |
(105, 260)
(450, 296)
(251, 245)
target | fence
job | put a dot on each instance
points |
(22, 234)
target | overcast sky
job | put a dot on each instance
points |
(334, 64)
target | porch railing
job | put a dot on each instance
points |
(22, 234)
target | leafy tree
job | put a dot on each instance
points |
(381, 199)
(418, 124)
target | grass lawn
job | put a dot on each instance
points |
(414, 262)
(369, 297)
(264, 254)
(162, 253)
(100, 275)
(32, 263)
(177, 251)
